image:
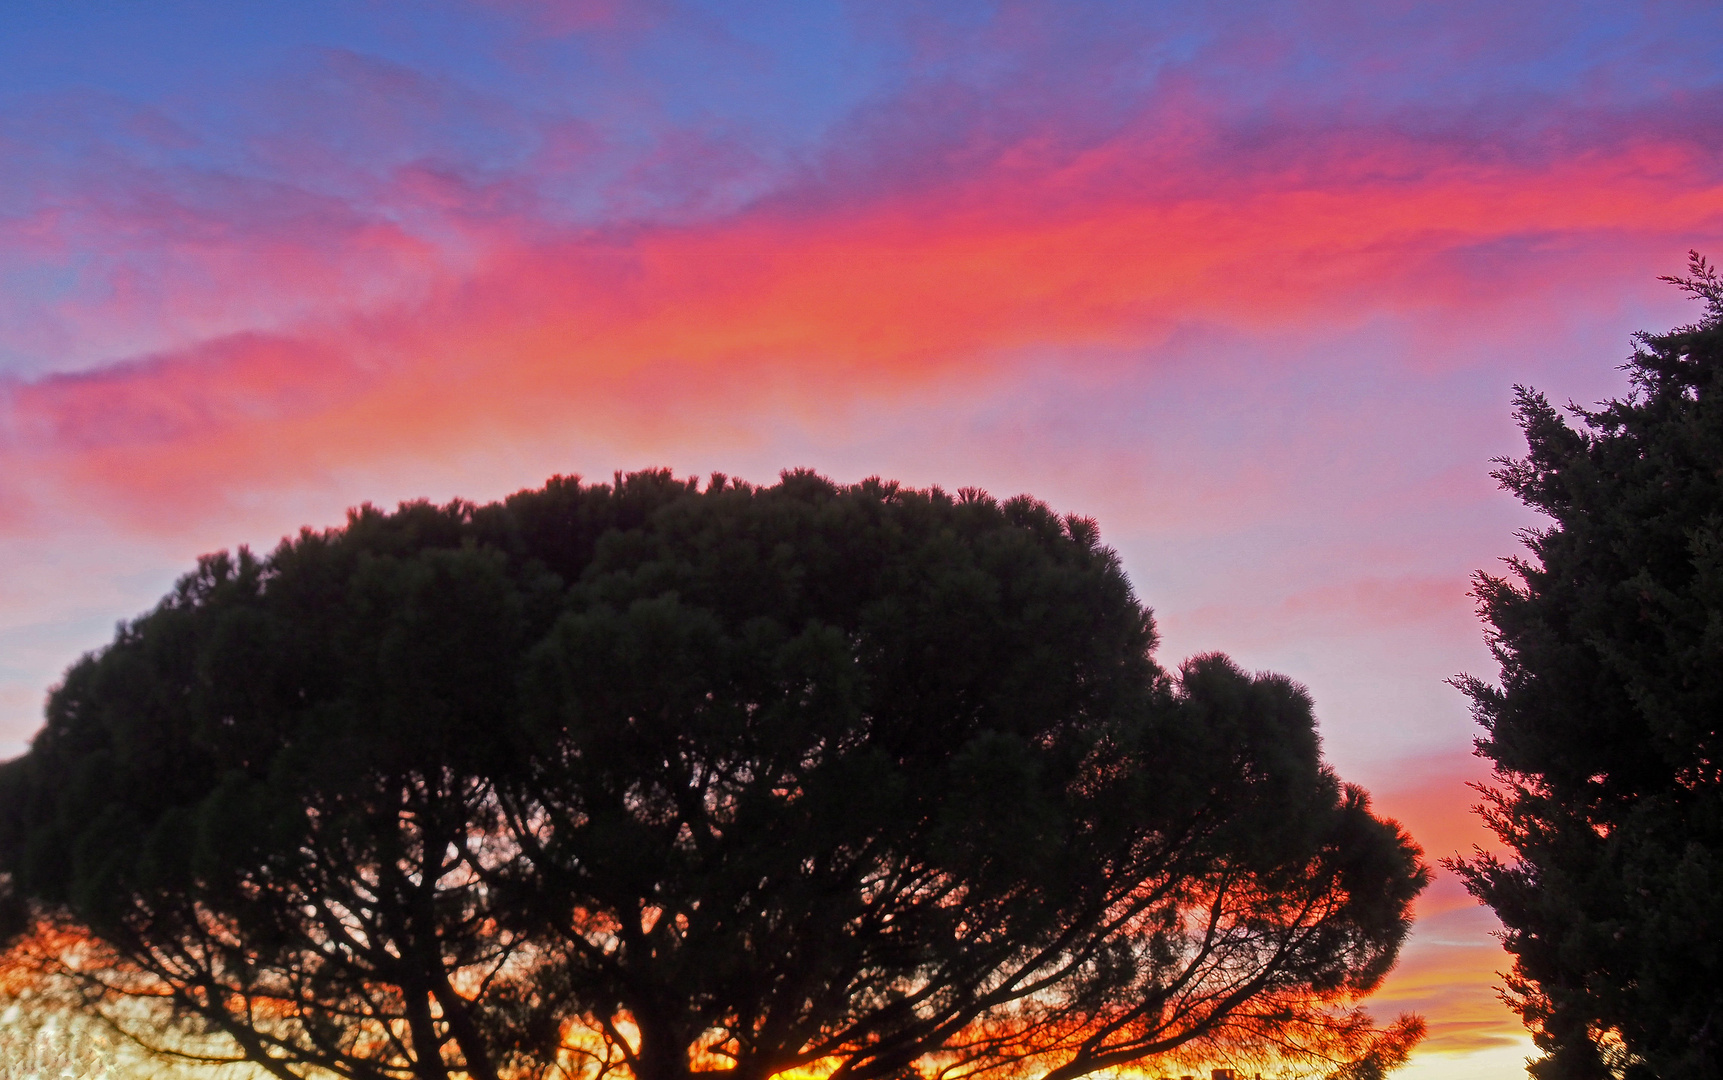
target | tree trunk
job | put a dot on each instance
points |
(663, 1053)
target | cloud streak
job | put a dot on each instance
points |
(517, 324)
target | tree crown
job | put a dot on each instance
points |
(670, 778)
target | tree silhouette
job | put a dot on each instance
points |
(651, 778)
(1604, 731)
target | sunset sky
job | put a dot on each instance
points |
(1248, 283)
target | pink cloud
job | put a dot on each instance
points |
(1359, 605)
(512, 326)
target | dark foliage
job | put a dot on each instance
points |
(648, 777)
(1605, 729)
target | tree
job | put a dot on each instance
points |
(651, 778)
(1604, 731)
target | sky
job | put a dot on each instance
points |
(1250, 284)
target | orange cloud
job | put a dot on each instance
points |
(1448, 972)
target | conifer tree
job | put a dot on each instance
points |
(1607, 729)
